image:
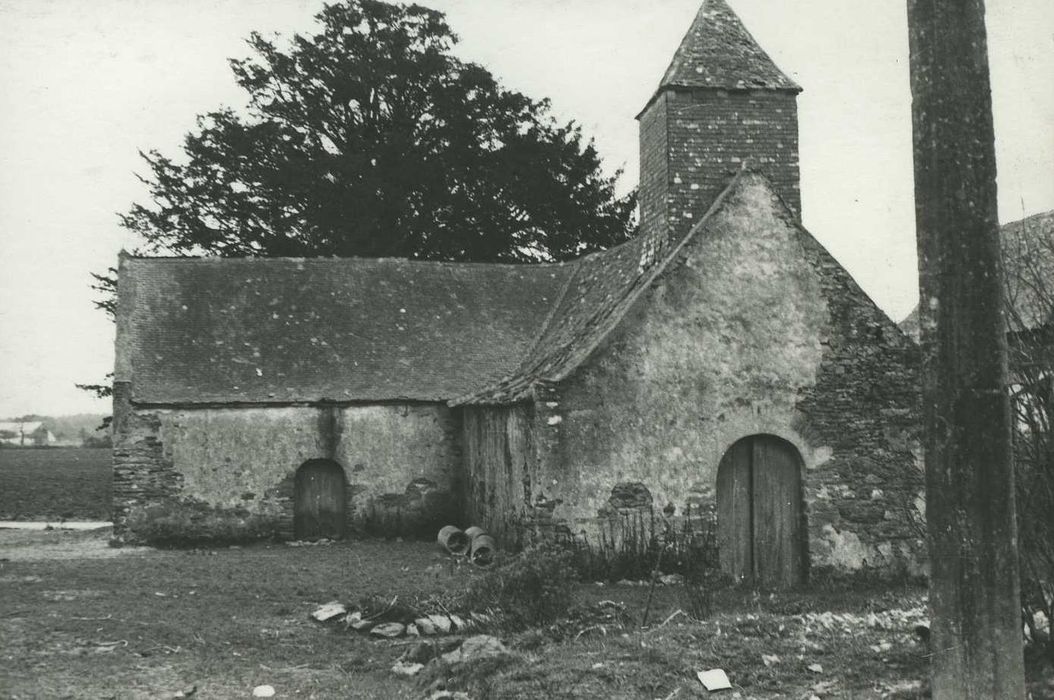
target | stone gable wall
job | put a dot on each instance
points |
(867, 504)
(753, 330)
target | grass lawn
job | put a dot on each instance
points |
(73, 483)
(82, 620)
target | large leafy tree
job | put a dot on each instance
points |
(369, 138)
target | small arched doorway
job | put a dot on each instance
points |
(318, 500)
(759, 512)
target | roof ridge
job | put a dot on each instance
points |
(334, 259)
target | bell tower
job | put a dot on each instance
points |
(722, 105)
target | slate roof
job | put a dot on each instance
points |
(598, 286)
(719, 52)
(278, 330)
(1028, 252)
(1028, 249)
(597, 296)
(287, 330)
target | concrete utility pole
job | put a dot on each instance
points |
(974, 586)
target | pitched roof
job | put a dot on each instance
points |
(719, 52)
(1028, 255)
(276, 330)
(598, 295)
(1028, 258)
(280, 330)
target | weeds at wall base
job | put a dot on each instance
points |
(193, 524)
(634, 543)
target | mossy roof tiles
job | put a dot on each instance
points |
(719, 52)
(277, 330)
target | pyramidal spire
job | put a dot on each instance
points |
(719, 52)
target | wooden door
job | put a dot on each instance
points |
(759, 512)
(318, 509)
(735, 529)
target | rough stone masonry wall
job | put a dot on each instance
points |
(867, 504)
(750, 332)
(400, 463)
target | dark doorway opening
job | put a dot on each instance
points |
(760, 533)
(318, 501)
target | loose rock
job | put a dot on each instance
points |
(329, 611)
(482, 646)
(391, 630)
(442, 623)
(402, 668)
(360, 625)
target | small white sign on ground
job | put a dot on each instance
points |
(714, 679)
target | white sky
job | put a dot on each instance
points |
(85, 83)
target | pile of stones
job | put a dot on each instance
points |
(382, 626)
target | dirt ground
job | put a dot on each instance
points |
(81, 620)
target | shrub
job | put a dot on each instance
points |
(193, 524)
(531, 588)
(1035, 503)
(633, 544)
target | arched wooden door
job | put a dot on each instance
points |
(759, 512)
(318, 501)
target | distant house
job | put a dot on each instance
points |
(26, 434)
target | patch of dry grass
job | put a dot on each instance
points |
(74, 483)
(867, 649)
(154, 623)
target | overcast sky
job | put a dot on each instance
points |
(84, 84)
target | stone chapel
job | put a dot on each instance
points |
(721, 364)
